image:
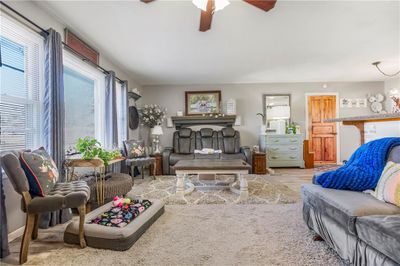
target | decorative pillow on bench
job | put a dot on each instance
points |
(388, 188)
(135, 149)
(41, 171)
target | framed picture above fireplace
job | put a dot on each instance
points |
(202, 102)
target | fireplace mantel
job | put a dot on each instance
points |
(188, 121)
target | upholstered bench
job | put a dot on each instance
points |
(114, 238)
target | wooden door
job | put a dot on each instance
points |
(322, 135)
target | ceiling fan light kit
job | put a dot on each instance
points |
(209, 7)
(218, 4)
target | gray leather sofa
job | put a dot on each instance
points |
(360, 228)
(185, 141)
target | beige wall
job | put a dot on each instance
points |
(35, 13)
(249, 103)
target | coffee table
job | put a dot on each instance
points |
(239, 168)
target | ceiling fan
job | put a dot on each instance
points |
(209, 7)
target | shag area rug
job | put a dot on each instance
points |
(254, 234)
(262, 190)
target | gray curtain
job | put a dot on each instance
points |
(125, 98)
(54, 115)
(4, 250)
(111, 122)
(124, 85)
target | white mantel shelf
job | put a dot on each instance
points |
(359, 121)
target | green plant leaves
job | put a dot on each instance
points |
(90, 148)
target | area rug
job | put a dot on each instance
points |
(263, 189)
(258, 234)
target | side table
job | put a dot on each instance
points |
(259, 163)
(157, 167)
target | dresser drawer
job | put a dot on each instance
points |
(274, 149)
(283, 141)
(285, 157)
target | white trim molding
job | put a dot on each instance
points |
(338, 153)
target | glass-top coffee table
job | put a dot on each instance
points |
(239, 168)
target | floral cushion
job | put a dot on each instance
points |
(135, 149)
(41, 171)
(122, 216)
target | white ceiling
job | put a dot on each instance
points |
(297, 41)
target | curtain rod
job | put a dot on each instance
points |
(45, 32)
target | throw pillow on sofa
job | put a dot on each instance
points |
(388, 188)
(135, 148)
(41, 171)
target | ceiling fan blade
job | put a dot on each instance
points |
(265, 5)
(146, 1)
(206, 17)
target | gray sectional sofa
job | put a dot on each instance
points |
(360, 228)
(185, 141)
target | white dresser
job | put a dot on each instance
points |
(283, 150)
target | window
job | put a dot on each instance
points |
(84, 101)
(21, 80)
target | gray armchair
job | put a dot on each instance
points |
(63, 196)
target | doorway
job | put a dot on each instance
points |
(322, 136)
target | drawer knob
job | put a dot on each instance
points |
(274, 157)
(292, 157)
(293, 148)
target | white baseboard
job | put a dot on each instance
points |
(15, 234)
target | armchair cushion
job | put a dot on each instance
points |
(63, 196)
(14, 171)
(134, 148)
(41, 171)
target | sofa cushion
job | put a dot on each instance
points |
(345, 206)
(41, 171)
(175, 157)
(228, 132)
(206, 132)
(394, 155)
(233, 156)
(185, 132)
(382, 233)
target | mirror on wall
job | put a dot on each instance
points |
(276, 112)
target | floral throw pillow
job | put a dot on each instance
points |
(135, 149)
(41, 171)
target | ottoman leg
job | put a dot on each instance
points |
(82, 213)
(133, 172)
(142, 172)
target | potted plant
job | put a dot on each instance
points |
(90, 148)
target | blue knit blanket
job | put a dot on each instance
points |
(363, 169)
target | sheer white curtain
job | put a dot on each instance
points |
(122, 112)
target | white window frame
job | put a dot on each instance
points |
(25, 37)
(76, 64)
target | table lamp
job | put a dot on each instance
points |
(157, 132)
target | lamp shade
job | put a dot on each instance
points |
(157, 130)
